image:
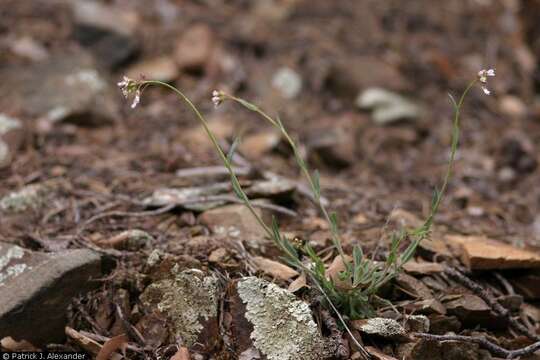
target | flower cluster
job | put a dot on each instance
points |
(483, 78)
(217, 97)
(129, 86)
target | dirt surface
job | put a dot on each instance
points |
(101, 160)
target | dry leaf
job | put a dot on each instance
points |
(181, 354)
(85, 342)
(11, 344)
(110, 346)
(378, 355)
(274, 268)
(336, 267)
(298, 283)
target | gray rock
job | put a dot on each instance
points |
(283, 326)
(29, 197)
(106, 31)
(235, 221)
(288, 82)
(67, 87)
(190, 301)
(36, 288)
(11, 137)
(387, 107)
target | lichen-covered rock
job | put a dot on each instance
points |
(29, 197)
(283, 326)
(387, 328)
(190, 302)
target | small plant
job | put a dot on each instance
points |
(364, 276)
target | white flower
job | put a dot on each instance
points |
(129, 86)
(217, 97)
(483, 78)
(136, 99)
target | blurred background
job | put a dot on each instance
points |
(363, 85)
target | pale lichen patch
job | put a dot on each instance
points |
(283, 326)
(187, 299)
(31, 196)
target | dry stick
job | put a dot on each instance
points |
(486, 344)
(130, 329)
(342, 347)
(496, 307)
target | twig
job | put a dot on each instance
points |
(130, 329)
(495, 306)
(211, 171)
(101, 338)
(342, 348)
(486, 344)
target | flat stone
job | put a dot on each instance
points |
(161, 68)
(66, 87)
(383, 327)
(194, 49)
(275, 322)
(472, 311)
(235, 221)
(481, 253)
(36, 288)
(388, 107)
(190, 301)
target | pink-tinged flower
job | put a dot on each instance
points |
(128, 87)
(217, 97)
(483, 78)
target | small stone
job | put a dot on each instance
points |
(184, 197)
(217, 256)
(282, 326)
(442, 324)
(162, 69)
(107, 31)
(235, 221)
(417, 323)
(383, 327)
(29, 48)
(190, 302)
(471, 310)
(255, 145)
(288, 82)
(387, 107)
(11, 138)
(481, 253)
(194, 49)
(512, 106)
(29, 197)
(274, 268)
(41, 284)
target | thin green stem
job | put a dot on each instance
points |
(218, 148)
(335, 235)
(454, 147)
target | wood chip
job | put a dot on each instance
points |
(423, 268)
(481, 253)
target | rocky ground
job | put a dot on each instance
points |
(120, 234)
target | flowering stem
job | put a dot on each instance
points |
(336, 239)
(221, 153)
(455, 140)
